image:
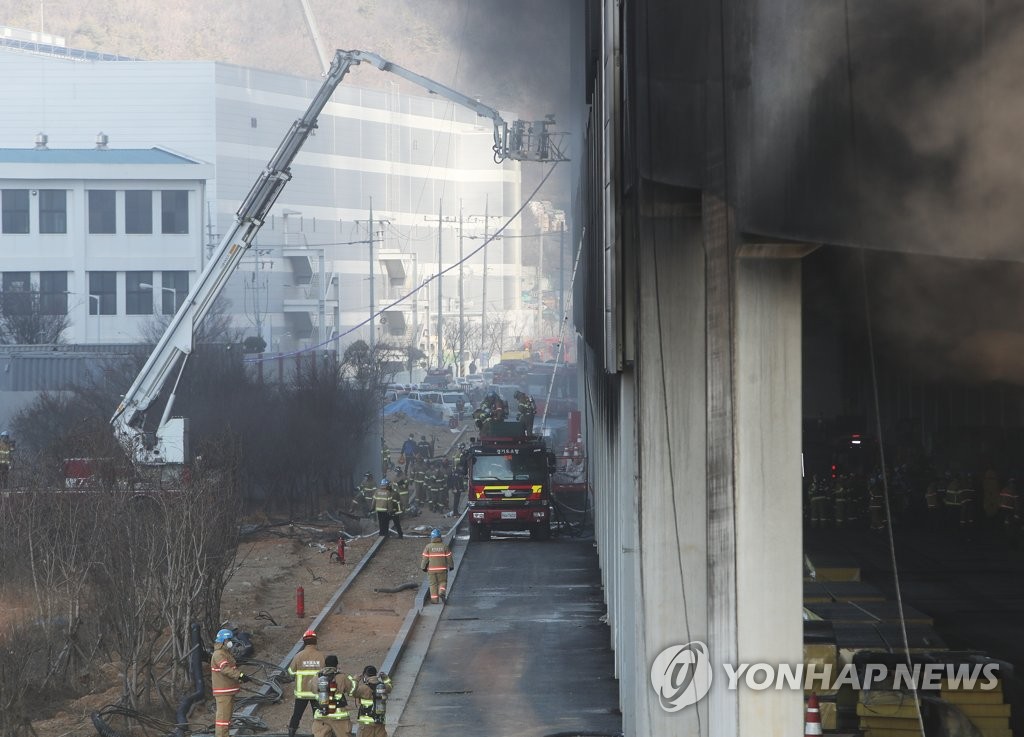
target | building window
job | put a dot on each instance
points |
(14, 204)
(17, 296)
(53, 292)
(138, 211)
(138, 299)
(174, 211)
(172, 301)
(53, 211)
(102, 211)
(103, 285)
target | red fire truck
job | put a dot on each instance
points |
(509, 482)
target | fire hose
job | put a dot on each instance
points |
(195, 667)
(396, 589)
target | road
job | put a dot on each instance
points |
(519, 649)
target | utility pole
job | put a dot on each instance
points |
(561, 270)
(483, 295)
(462, 314)
(373, 279)
(370, 240)
(441, 220)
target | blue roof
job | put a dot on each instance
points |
(90, 156)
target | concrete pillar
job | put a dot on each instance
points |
(717, 482)
(768, 539)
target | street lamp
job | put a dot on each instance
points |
(172, 290)
(97, 298)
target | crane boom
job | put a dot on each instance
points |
(169, 443)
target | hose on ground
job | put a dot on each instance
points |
(195, 669)
(102, 727)
(396, 589)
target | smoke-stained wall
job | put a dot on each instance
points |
(893, 126)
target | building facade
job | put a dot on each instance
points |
(385, 172)
(111, 238)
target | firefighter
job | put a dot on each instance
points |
(819, 502)
(527, 411)
(419, 480)
(933, 501)
(397, 508)
(6, 456)
(876, 504)
(402, 486)
(424, 449)
(409, 452)
(224, 679)
(382, 506)
(372, 691)
(366, 490)
(1009, 509)
(437, 561)
(332, 716)
(305, 666)
(437, 486)
(841, 501)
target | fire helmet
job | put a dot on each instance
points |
(435, 533)
(384, 483)
(309, 636)
(223, 636)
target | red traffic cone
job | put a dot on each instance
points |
(812, 721)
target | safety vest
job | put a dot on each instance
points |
(5, 453)
(931, 497)
(403, 496)
(436, 557)
(396, 502)
(306, 667)
(382, 500)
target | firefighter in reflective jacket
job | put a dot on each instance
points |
(527, 411)
(304, 668)
(382, 506)
(224, 679)
(437, 561)
(396, 509)
(1008, 509)
(332, 712)
(367, 489)
(372, 692)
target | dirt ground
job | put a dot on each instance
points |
(260, 599)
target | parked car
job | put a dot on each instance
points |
(435, 399)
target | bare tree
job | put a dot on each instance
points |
(31, 318)
(216, 327)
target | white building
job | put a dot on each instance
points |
(108, 237)
(406, 156)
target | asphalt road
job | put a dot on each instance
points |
(519, 649)
(973, 587)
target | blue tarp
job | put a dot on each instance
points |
(416, 411)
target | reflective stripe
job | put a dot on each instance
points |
(236, 689)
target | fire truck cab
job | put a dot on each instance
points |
(509, 482)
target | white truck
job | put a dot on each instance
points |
(165, 444)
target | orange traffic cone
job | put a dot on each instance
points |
(812, 722)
